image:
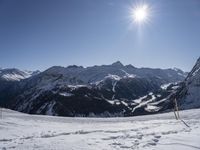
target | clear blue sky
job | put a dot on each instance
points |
(37, 34)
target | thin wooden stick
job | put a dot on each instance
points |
(175, 114)
(176, 107)
(176, 110)
(185, 123)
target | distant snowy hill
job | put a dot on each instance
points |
(9, 83)
(107, 90)
(15, 74)
(151, 132)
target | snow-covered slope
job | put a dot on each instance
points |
(15, 74)
(189, 93)
(153, 132)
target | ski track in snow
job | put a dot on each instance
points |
(153, 132)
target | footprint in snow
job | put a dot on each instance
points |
(155, 140)
(169, 132)
(157, 136)
(151, 143)
(139, 136)
(5, 140)
(125, 147)
(116, 143)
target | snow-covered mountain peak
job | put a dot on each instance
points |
(54, 69)
(63, 70)
(130, 66)
(13, 74)
(177, 69)
(75, 90)
(94, 74)
(74, 67)
(117, 64)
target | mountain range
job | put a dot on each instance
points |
(106, 90)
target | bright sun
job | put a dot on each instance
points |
(140, 13)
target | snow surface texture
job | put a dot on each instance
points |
(154, 132)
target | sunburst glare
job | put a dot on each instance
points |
(140, 13)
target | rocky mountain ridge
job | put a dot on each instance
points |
(107, 90)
